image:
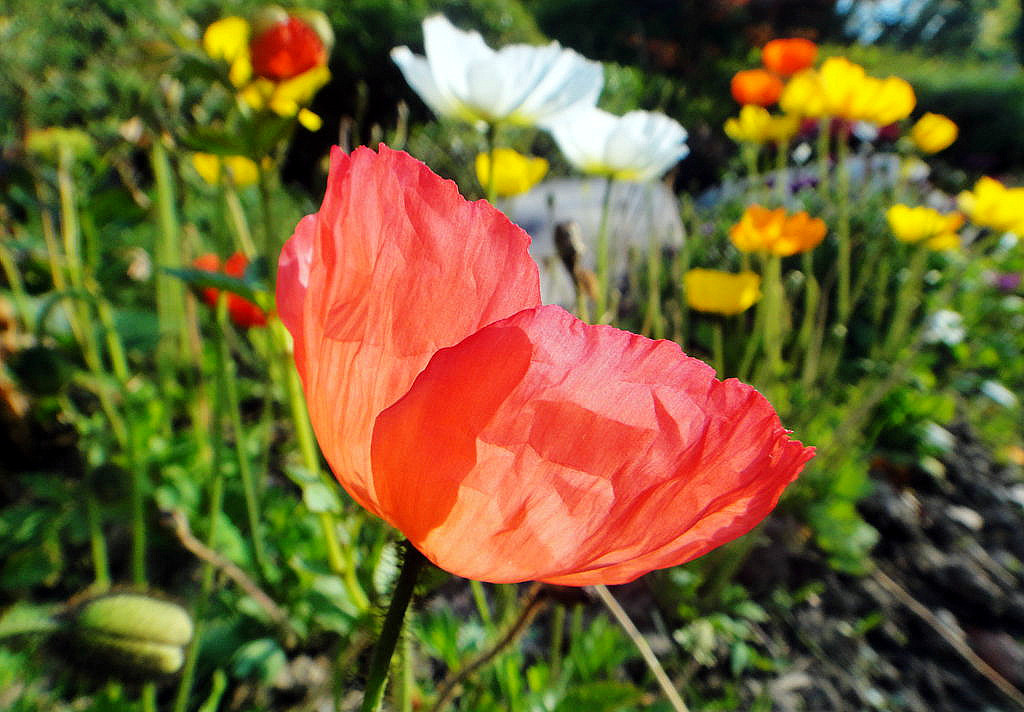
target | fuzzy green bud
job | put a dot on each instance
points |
(130, 634)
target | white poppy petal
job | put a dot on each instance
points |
(417, 73)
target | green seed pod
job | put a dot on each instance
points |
(128, 634)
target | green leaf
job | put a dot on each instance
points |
(202, 279)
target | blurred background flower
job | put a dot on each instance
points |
(755, 124)
(514, 173)
(789, 56)
(776, 232)
(925, 225)
(718, 292)
(638, 146)
(461, 77)
(933, 132)
(756, 86)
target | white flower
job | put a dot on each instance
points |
(520, 84)
(639, 146)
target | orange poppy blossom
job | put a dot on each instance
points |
(789, 56)
(241, 311)
(507, 440)
(775, 232)
(756, 86)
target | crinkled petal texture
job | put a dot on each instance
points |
(544, 448)
(463, 78)
(395, 266)
(509, 441)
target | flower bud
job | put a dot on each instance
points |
(129, 634)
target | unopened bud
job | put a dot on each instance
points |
(129, 634)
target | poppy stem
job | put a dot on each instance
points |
(641, 644)
(377, 678)
(603, 267)
(492, 144)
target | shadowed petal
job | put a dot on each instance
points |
(394, 266)
(543, 448)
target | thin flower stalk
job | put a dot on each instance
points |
(604, 278)
(170, 291)
(216, 448)
(623, 619)
(230, 385)
(843, 302)
(908, 299)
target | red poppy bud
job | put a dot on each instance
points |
(286, 49)
(756, 86)
(789, 56)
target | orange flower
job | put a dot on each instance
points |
(789, 56)
(286, 49)
(773, 231)
(508, 441)
(242, 312)
(756, 86)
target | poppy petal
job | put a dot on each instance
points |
(544, 448)
(394, 266)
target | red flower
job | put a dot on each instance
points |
(789, 56)
(242, 312)
(756, 86)
(286, 49)
(508, 441)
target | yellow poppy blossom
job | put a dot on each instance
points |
(925, 226)
(514, 172)
(993, 205)
(842, 89)
(933, 132)
(718, 292)
(755, 124)
(775, 232)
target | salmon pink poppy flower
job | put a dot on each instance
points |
(507, 440)
(241, 311)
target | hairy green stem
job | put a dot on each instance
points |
(380, 664)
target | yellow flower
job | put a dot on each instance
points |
(756, 124)
(995, 206)
(842, 89)
(711, 290)
(227, 39)
(933, 132)
(288, 97)
(842, 84)
(775, 232)
(515, 173)
(925, 226)
(884, 101)
(243, 171)
(802, 95)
